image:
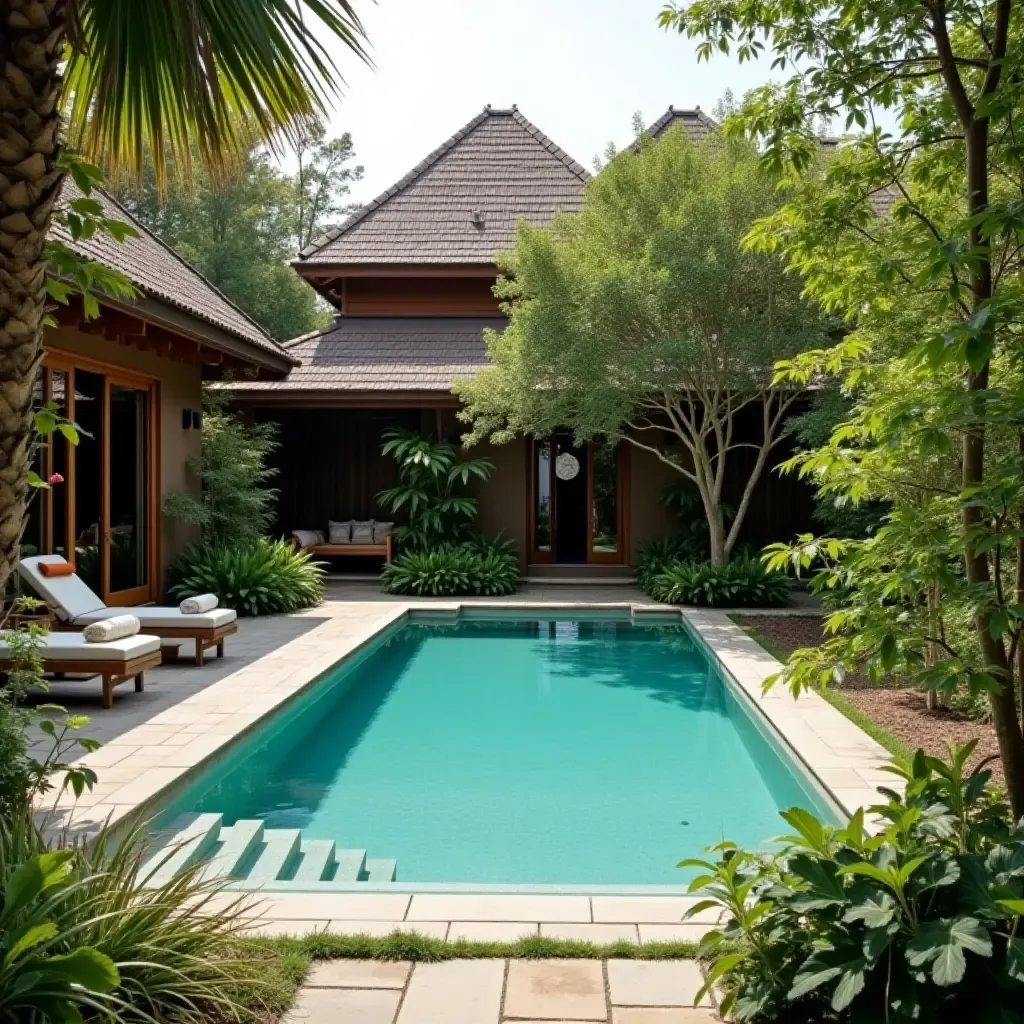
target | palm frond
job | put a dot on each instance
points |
(209, 73)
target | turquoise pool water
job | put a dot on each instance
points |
(531, 751)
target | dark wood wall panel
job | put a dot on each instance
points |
(419, 296)
(330, 464)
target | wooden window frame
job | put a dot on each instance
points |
(120, 376)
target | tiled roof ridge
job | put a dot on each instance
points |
(299, 338)
(432, 158)
(136, 223)
(673, 112)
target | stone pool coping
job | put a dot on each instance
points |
(142, 768)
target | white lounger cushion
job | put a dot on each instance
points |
(75, 602)
(67, 595)
(156, 617)
(73, 647)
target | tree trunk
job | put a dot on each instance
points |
(716, 533)
(32, 36)
(1003, 701)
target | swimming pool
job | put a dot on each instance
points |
(542, 750)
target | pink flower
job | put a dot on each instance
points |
(56, 478)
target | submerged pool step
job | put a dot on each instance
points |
(238, 843)
(381, 870)
(317, 860)
(191, 837)
(250, 856)
(280, 847)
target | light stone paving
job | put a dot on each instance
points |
(503, 992)
(155, 741)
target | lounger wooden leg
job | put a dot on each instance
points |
(220, 649)
(140, 682)
(200, 652)
(108, 691)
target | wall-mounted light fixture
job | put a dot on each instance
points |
(186, 419)
(196, 419)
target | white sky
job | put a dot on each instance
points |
(578, 69)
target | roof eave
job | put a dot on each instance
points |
(180, 322)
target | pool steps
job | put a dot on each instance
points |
(251, 856)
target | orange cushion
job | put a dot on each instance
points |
(57, 568)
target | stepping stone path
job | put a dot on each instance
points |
(502, 992)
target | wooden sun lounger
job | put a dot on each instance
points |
(113, 672)
(349, 549)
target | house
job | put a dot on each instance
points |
(411, 275)
(132, 378)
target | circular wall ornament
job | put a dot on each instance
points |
(567, 467)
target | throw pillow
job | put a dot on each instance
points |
(339, 533)
(381, 532)
(362, 531)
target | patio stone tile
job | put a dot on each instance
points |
(596, 933)
(108, 756)
(381, 929)
(462, 907)
(490, 931)
(332, 1006)
(675, 932)
(661, 1015)
(641, 909)
(359, 974)
(454, 992)
(335, 906)
(654, 982)
(555, 989)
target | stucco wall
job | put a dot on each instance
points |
(180, 387)
(502, 499)
(648, 515)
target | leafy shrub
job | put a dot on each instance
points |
(80, 932)
(262, 578)
(482, 544)
(656, 554)
(683, 500)
(919, 922)
(236, 506)
(428, 491)
(743, 583)
(450, 572)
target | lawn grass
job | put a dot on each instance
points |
(285, 962)
(893, 744)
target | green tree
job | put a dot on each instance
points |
(111, 77)
(236, 506)
(323, 180)
(642, 319)
(239, 231)
(934, 290)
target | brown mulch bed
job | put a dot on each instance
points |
(900, 711)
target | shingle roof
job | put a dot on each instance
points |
(499, 167)
(696, 124)
(383, 354)
(156, 269)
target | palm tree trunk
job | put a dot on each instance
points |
(32, 35)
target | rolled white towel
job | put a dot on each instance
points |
(115, 628)
(198, 604)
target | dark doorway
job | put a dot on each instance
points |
(570, 499)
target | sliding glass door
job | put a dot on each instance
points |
(99, 510)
